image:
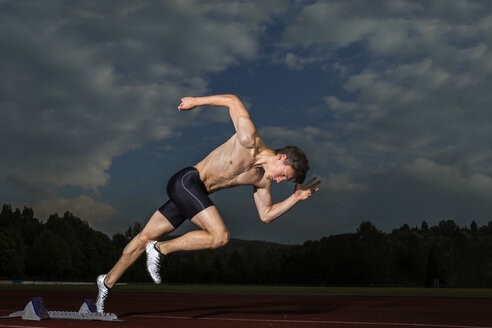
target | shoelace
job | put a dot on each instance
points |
(159, 257)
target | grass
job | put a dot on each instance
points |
(271, 290)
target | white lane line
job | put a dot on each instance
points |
(361, 323)
(13, 326)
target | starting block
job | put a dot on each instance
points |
(35, 310)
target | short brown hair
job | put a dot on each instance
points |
(295, 159)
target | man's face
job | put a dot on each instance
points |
(279, 171)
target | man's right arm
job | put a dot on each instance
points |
(268, 211)
(246, 130)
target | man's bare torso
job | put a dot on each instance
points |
(232, 164)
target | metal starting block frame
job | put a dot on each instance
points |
(35, 310)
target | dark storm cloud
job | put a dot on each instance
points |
(85, 82)
(405, 136)
(417, 134)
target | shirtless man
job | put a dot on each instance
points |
(244, 159)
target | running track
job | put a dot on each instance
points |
(211, 310)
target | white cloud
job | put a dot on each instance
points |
(292, 61)
(342, 183)
(49, 201)
(401, 27)
(321, 146)
(324, 22)
(339, 106)
(450, 178)
(84, 207)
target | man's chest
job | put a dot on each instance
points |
(250, 177)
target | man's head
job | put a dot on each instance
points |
(296, 159)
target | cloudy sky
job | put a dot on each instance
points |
(391, 100)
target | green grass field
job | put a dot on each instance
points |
(270, 290)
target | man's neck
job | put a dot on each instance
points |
(264, 157)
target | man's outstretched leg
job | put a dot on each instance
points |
(157, 226)
(214, 234)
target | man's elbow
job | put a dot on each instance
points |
(265, 219)
(232, 99)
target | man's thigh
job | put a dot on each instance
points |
(157, 226)
(210, 220)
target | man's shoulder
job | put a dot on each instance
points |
(260, 144)
(247, 153)
(261, 181)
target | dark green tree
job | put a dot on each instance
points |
(49, 257)
(12, 254)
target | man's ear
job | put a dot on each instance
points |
(281, 157)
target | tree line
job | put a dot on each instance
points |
(66, 248)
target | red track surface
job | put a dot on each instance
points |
(206, 310)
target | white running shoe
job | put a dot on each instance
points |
(103, 295)
(154, 260)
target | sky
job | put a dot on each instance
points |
(390, 100)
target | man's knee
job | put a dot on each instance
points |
(137, 244)
(221, 239)
(143, 239)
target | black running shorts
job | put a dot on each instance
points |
(188, 196)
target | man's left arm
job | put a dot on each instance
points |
(245, 129)
(269, 212)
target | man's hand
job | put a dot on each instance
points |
(187, 103)
(304, 192)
